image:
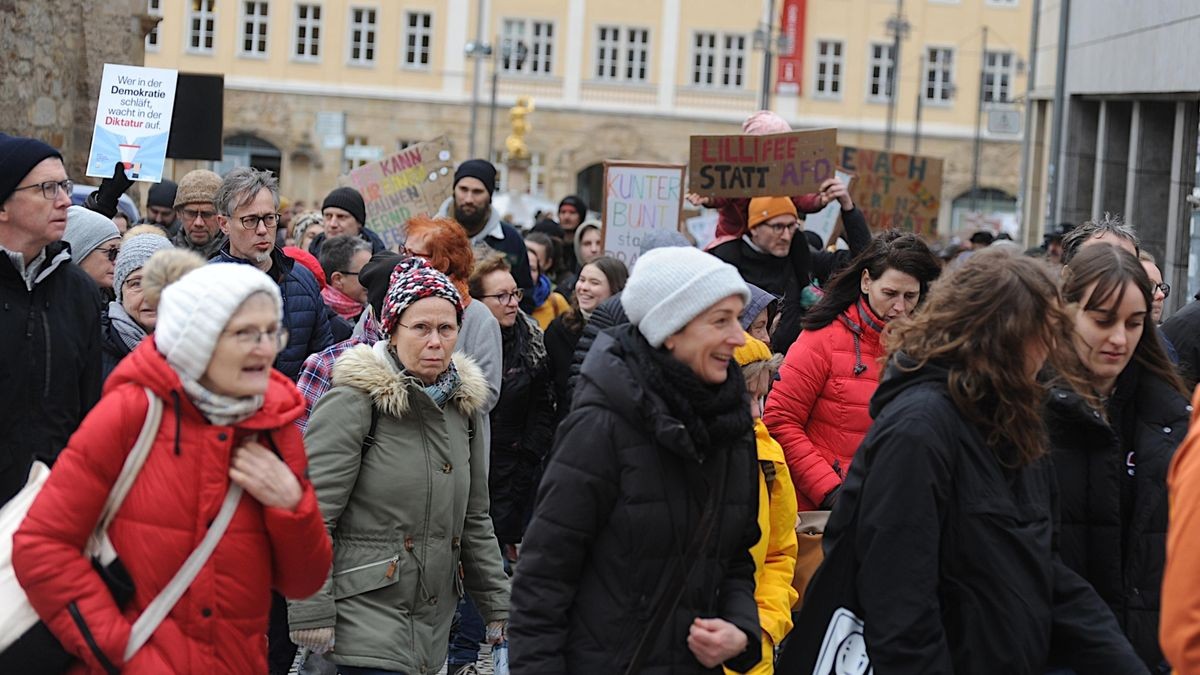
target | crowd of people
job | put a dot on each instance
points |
(490, 435)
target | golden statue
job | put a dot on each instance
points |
(518, 118)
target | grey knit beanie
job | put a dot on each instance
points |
(87, 231)
(671, 286)
(134, 254)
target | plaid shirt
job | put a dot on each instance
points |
(316, 377)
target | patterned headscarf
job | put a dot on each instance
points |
(413, 280)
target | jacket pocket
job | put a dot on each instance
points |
(366, 577)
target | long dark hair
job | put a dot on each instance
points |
(1110, 269)
(900, 251)
(617, 274)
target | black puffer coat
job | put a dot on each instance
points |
(617, 508)
(607, 314)
(1121, 554)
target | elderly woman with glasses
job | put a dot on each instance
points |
(400, 472)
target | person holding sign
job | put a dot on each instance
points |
(344, 212)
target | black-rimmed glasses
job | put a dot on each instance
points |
(50, 188)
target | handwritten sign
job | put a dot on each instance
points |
(638, 198)
(133, 122)
(895, 191)
(775, 165)
(412, 182)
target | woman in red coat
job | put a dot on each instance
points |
(818, 409)
(227, 416)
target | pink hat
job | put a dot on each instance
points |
(765, 122)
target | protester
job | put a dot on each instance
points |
(587, 242)
(227, 420)
(942, 541)
(1107, 230)
(160, 207)
(131, 317)
(471, 207)
(548, 303)
(818, 409)
(405, 499)
(1179, 630)
(756, 318)
(572, 211)
(95, 242)
(247, 206)
(342, 258)
(775, 553)
(51, 319)
(638, 555)
(1112, 462)
(1161, 290)
(197, 211)
(344, 212)
(307, 227)
(598, 280)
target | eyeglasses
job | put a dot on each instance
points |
(423, 330)
(190, 215)
(406, 251)
(1165, 288)
(271, 220)
(780, 228)
(111, 252)
(348, 273)
(50, 188)
(505, 298)
(250, 337)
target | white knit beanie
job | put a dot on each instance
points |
(194, 311)
(671, 286)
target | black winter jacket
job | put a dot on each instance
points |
(561, 342)
(1183, 331)
(618, 505)
(956, 564)
(1122, 556)
(112, 347)
(50, 370)
(608, 314)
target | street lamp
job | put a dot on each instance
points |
(476, 49)
(898, 28)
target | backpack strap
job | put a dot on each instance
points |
(369, 439)
(768, 471)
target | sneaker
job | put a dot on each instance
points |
(468, 669)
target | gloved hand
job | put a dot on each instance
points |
(318, 640)
(104, 200)
(497, 632)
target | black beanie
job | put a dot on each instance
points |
(375, 277)
(350, 200)
(577, 204)
(18, 156)
(480, 169)
(549, 227)
(162, 194)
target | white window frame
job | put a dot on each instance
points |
(884, 61)
(349, 164)
(258, 23)
(1007, 4)
(206, 21)
(537, 36)
(418, 40)
(1001, 67)
(622, 54)
(828, 69)
(945, 87)
(312, 32)
(367, 29)
(716, 64)
(153, 8)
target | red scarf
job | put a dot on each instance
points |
(343, 305)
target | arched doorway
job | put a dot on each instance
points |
(589, 185)
(984, 209)
(250, 150)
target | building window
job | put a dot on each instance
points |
(362, 36)
(997, 77)
(528, 47)
(153, 8)
(939, 74)
(254, 28)
(308, 32)
(881, 70)
(356, 153)
(719, 60)
(829, 69)
(622, 54)
(418, 31)
(537, 172)
(1002, 3)
(201, 25)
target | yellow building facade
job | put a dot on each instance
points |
(315, 87)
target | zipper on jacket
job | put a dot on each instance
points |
(90, 639)
(49, 351)
(428, 506)
(393, 562)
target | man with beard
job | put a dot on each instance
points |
(199, 231)
(471, 207)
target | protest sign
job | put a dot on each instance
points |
(825, 221)
(133, 122)
(412, 182)
(775, 165)
(895, 191)
(639, 198)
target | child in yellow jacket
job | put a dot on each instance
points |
(775, 553)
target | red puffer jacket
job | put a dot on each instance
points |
(818, 409)
(220, 623)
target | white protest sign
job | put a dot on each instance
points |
(638, 197)
(824, 222)
(133, 122)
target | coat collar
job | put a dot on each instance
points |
(368, 368)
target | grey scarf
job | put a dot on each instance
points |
(224, 411)
(130, 331)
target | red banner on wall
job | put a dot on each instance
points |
(791, 59)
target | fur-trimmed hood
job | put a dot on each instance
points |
(370, 369)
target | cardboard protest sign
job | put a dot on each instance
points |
(412, 182)
(638, 198)
(775, 165)
(895, 191)
(825, 221)
(133, 122)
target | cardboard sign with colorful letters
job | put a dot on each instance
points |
(895, 191)
(133, 122)
(412, 182)
(639, 197)
(775, 165)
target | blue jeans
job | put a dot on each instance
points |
(464, 642)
